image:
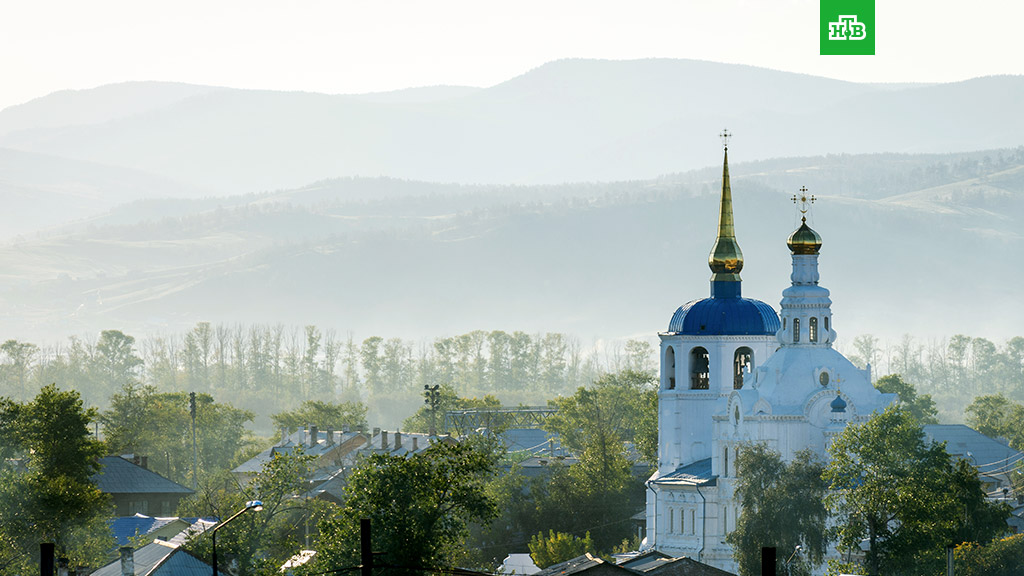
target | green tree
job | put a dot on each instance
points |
(419, 507)
(338, 416)
(54, 499)
(448, 400)
(141, 420)
(899, 493)
(921, 406)
(261, 541)
(617, 408)
(996, 416)
(783, 506)
(999, 558)
(558, 547)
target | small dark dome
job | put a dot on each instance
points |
(725, 317)
(838, 405)
(804, 240)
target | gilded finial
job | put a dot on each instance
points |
(804, 240)
(726, 259)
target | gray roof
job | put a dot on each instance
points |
(160, 559)
(694, 474)
(992, 457)
(119, 476)
(293, 441)
(580, 564)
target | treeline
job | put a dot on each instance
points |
(267, 368)
(953, 371)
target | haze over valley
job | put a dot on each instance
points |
(580, 197)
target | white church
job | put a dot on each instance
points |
(733, 372)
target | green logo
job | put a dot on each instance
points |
(847, 27)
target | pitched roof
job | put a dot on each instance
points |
(160, 559)
(585, 563)
(127, 527)
(694, 474)
(119, 476)
(992, 457)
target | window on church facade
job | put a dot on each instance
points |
(700, 369)
(671, 520)
(812, 329)
(826, 323)
(725, 520)
(693, 522)
(670, 368)
(725, 461)
(742, 363)
(796, 329)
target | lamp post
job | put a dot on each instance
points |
(254, 505)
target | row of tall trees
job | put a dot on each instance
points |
(292, 365)
(952, 370)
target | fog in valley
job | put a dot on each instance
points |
(575, 205)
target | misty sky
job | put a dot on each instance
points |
(343, 46)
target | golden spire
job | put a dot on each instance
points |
(726, 259)
(804, 240)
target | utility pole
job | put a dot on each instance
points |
(195, 453)
(365, 548)
(432, 398)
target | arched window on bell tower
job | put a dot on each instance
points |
(812, 328)
(700, 369)
(796, 329)
(742, 363)
(670, 368)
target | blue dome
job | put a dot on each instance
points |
(838, 405)
(725, 317)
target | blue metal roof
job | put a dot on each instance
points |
(725, 317)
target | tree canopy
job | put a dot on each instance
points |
(782, 507)
(419, 506)
(921, 406)
(902, 495)
(54, 499)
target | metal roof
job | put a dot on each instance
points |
(119, 476)
(992, 457)
(725, 317)
(160, 559)
(694, 474)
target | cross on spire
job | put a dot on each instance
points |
(804, 201)
(725, 135)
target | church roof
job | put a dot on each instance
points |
(725, 317)
(694, 474)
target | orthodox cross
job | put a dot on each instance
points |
(804, 201)
(725, 135)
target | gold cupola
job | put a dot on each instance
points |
(804, 240)
(726, 259)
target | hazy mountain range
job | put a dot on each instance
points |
(150, 206)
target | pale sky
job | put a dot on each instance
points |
(349, 46)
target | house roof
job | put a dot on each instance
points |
(127, 527)
(297, 439)
(585, 563)
(119, 476)
(694, 474)
(992, 457)
(160, 559)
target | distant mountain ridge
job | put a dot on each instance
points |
(911, 245)
(569, 120)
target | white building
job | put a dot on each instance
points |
(732, 373)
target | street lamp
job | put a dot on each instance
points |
(254, 505)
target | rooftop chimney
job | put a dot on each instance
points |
(383, 439)
(398, 439)
(415, 443)
(314, 434)
(330, 436)
(144, 462)
(375, 432)
(127, 561)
